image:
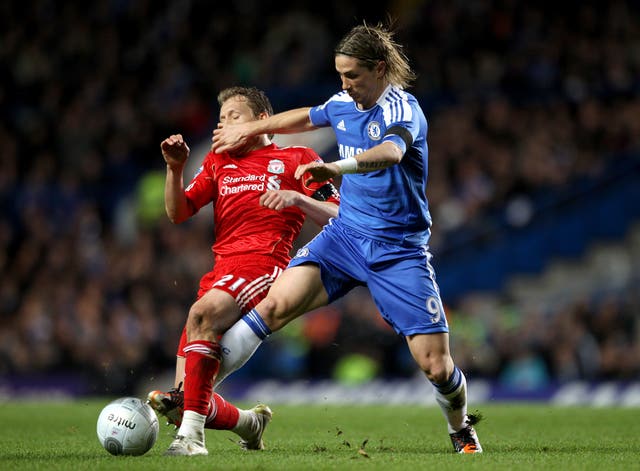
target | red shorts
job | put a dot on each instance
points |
(246, 278)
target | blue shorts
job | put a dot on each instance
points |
(400, 279)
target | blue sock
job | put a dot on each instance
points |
(451, 384)
(253, 320)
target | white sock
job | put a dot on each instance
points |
(193, 426)
(238, 344)
(452, 399)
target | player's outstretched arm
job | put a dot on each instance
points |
(228, 137)
(381, 156)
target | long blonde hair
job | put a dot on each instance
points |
(371, 44)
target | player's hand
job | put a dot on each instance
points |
(317, 172)
(229, 137)
(279, 199)
(174, 150)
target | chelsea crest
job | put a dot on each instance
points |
(373, 129)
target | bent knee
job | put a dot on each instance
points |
(201, 324)
(437, 369)
(275, 312)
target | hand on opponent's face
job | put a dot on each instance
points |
(228, 137)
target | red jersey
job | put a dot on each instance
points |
(234, 185)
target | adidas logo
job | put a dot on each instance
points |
(341, 125)
(230, 166)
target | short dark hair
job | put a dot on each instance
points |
(256, 98)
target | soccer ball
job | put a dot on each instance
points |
(127, 426)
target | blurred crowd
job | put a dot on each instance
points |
(521, 98)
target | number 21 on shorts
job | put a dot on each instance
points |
(226, 279)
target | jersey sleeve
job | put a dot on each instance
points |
(319, 116)
(403, 125)
(202, 188)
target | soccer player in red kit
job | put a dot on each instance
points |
(259, 208)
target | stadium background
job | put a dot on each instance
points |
(534, 139)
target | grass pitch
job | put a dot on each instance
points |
(62, 436)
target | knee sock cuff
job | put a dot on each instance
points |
(204, 347)
(256, 323)
(451, 384)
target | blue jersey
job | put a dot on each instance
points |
(389, 205)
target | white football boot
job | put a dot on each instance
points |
(252, 439)
(185, 446)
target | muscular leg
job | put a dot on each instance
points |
(221, 415)
(211, 315)
(220, 312)
(431, 352)
(298, 290)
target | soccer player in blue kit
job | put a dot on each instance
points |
(379, 238)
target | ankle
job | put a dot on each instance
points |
(192, 426)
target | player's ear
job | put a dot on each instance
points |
(381, 68)
(263, 115)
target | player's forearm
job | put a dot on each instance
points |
(175, 202)
(287, 122)
(379, 157)
(318, 211)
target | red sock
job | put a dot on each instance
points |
(202, 360)
(222, 414)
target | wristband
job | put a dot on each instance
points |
(348, 165)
